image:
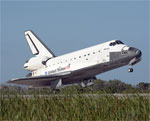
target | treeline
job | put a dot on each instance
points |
(117, 86)
(101, 86)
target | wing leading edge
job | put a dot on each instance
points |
(39, 81)
(42, 81)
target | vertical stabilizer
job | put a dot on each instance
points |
(37, 47)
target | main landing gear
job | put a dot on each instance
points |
(130, 69)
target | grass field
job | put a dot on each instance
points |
(75, 107)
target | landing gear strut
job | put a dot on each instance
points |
(56, 91)
(130, 69)
(88, 82)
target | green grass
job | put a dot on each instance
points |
(75, 107)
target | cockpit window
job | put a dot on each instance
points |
(116, 42)
(119, 42)
(112, 44)
(27, 61)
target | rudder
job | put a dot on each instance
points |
(37, 47)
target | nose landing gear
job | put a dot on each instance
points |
(132, 62)
(130, 69)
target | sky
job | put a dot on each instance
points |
(67, 26)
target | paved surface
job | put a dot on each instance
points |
(146, 95)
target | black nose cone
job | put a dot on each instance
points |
(135, 52)
(138, 53)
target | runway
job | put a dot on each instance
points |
(117, 95)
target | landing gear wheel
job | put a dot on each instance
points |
(130, 69)
(56, 91)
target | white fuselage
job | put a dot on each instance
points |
(79, 67)
(91, 56)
